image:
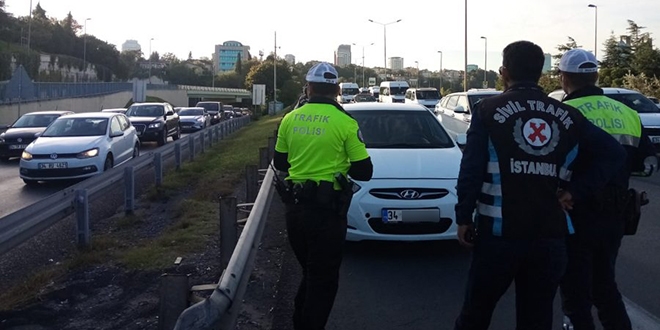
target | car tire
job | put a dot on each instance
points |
(30, 183)
(136, 150)
(163, 138)
(177, 135)
(108, 164)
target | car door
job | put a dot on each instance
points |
(448, 115)
(171, 121)
(130, 135)
(117, 141)
(462, 119)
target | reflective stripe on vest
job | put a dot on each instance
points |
(612, 116)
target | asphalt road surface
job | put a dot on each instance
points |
(14, 194)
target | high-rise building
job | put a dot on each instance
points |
(343, 55)
(131, 45)
(547, 64)
(227, 54)
(395, 63)
(290, 59)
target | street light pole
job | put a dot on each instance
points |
(595, 28)
(485, 62)
(385, 40)
(465, 50)
(85, 48)
(440, 70)
(363, 78)
(29, 29)
(417, 63)
(150, 40)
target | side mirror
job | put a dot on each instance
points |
(117, 134)
(38, 134)
(3, 126)
(459, 109)
(461, 140)
(169, 113)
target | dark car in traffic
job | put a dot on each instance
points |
(154, 121)
(214, 108)
(25, 130)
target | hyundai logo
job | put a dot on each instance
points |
(409, 194)
(53, 156)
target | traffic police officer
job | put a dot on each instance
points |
(318, 144)
(520, 150)
(599, 219)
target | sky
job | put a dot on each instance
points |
(311, 31)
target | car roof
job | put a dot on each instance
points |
(110, 109)
(191, 108)
(608, 90)
(49, 112)
(477, 92)
(149, 103)
(384, 106)
(92, 115)
(426, 89)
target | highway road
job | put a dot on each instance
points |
(14, 194)
(421, 285)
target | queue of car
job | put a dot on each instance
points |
(63, 145)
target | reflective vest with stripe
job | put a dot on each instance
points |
(612, 116)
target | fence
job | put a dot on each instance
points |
(26, 223)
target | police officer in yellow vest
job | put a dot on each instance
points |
(598, 220)
(318, 144)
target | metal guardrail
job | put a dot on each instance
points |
(21, 225)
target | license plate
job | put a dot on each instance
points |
(48, 166)
(17, 146)
(655, 139)
(410, 215)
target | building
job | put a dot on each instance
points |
(227, 54)
(395, 63)
(131, 45)
(547, 65)
(472, 67)
(343, 55)
(290, 59)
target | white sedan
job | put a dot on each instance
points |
(412, 194)
(79, 146)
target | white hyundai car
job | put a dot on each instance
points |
(412, 194)
(79, 146)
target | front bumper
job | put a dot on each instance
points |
(191, 126)
(61, 168)
(7, 151)
(148, 134)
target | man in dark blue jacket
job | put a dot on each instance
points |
(518, 158)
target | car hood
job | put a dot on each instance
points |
(416, 163)
(650, 119)
(63, 145)
(428, 102)
(190, 118)
(143, 120)
(27, 132)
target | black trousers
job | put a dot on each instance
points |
(536, 266)
(317, 236)
(590, 276)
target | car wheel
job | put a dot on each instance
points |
(30, 183)
(108, 163)
(163, 138)
(136, 151)
(177, 135)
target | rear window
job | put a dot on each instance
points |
(476, 98)
(428, 95)
(209, 106)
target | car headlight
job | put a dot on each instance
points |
(200, 119)
(154, 125)
(26, 156)
(88, 154)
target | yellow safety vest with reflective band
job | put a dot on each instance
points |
(320, 141)
(612, 116)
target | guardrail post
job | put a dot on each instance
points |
(177, 155)
(263, 158)
(191, 147)
(210, 138)
(217, 133)
(158, 167)
(202, 142)
(174, 292)
(271, 148)
(129, 190)
(251, 182)
(228, 229)
(82, 218)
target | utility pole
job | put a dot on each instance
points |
(275, 75)
(85, 48)
(150, 40)
(29, 29)
(465, 80)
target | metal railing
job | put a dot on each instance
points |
(21, 225)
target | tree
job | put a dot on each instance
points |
(563, 48)
(263, 74)
(549, 83)
(190, 56)
(39, 13)
(230, 79)
(646, 85)
(169, 58)
(154, 57)
(239, 66)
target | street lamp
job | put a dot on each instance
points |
(417, 63)
(485, 61)
(85, 47)
(371, 44)
(440, 70)
(595, 28)
(150, 40)
(385, 39)
(29, 29)
(465, 50)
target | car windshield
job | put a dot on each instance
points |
(34, 121)
(387, 129)
(398, 90)
(208, 106)
(191, 112)
(77, 127)
(349, 91)
(364, 98)
(146, 111)
(476, 98)
(428, 95)
(637, 102)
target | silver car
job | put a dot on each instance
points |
(194, 119)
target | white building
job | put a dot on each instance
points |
(131, 45)
(395, 63)
(290, 59)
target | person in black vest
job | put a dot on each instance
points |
(515, 171)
